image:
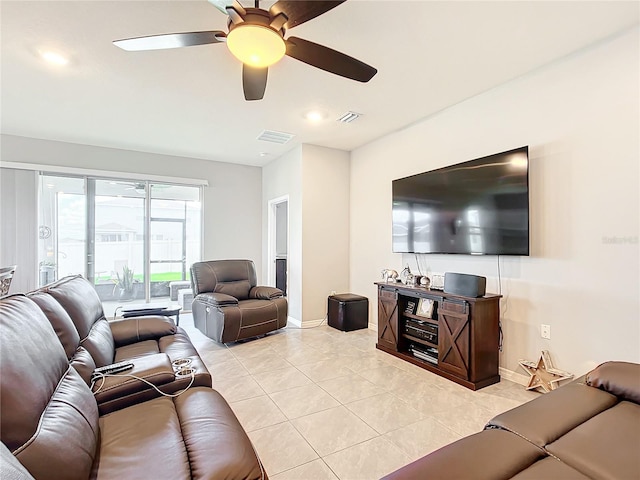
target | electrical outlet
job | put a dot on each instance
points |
(545, 331)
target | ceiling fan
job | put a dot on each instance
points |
(140, 187)
(256, 38)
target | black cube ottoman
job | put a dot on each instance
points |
(348, 312)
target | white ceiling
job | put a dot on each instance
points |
(189, 101)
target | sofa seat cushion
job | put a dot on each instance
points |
(141, 442)
(606, 446)
(193, 436)
(487, 455)
(216, 443)
(550, 468)
(552, 415)
(148, 347)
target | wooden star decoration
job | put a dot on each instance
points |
(543, 374)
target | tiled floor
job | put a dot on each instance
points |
(320, 404)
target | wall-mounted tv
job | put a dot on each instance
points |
(480, 207)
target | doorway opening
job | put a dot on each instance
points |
(278, 242)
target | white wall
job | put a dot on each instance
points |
(317, 182)
(325, 218)
(283, 177)
(580, 118)
(19, 227)
(232, 201)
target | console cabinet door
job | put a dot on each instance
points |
(388, 318)
(454, 334)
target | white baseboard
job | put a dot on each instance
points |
(514, 377)
(294, 321)
(373, 326)
(307, 324)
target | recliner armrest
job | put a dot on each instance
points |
(265, 293)
(621, 379)
(216, 299)
(155, 369)
(137, 329)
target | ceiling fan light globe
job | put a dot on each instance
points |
(256, 45)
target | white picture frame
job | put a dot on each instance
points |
(425, 308)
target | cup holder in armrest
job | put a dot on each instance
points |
(185, 372)
(181, 363)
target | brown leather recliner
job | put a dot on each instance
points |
(229, 306)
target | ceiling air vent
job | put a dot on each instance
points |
(349, 117)
(275, 137)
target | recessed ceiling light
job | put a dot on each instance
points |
(275, 137)
(314, 116)
(53, 57)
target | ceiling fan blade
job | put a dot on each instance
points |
(222, 5)
(254, 82)
(170, 40)
(329, 60)
(300, 11)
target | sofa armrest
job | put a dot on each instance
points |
(474, 457)
(217, 299)
(265, 293)
(137, 329)
(155, 369)
(621, 379)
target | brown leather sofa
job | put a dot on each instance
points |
(151, 343)
(587, 429)
(51, 426)
(229, 306)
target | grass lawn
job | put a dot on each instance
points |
(155, 277)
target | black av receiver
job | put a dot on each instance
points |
(422, 330)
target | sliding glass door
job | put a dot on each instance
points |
(118, 238)
(62, 227)
(130, 238)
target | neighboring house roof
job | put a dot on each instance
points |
(113, 227)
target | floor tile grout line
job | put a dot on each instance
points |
(307, 463)
(300, 340)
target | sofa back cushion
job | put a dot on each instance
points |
(81, 302)
(49, 416)
(231, 277)
(60, 321)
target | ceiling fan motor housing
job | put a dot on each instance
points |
(256, 16)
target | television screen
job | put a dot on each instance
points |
(480, 207)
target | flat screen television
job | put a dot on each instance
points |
(480, 207)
